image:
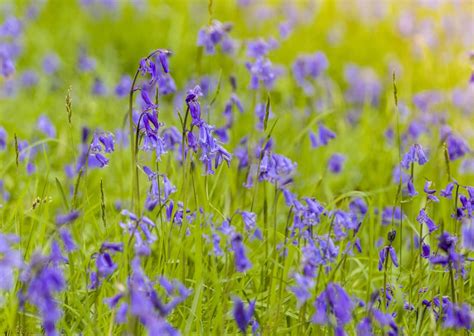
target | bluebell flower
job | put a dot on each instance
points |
(67, 218)
(242, 264)
(336, 163)
(447, 243)
(411, 188)
(457, 147)
(448, 191)
(99, 88)
(3, 138)
(302, 289)
(11, 259)
(123, 87)
(468, 233)
(42, 281)
(384, 254)
(85, 63)
(423, 218)
(243, 316)
(216, 34)
(309, 67)
(414, 154)
(262, 71)
(29, 78)
(364, 85)
(323, 137)
(430, 193)
(390, 214)
(45, 125)
(51, 64)
(259, 48)
(333, 301)
(458, 316)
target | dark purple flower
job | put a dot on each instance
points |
(430, 193)
(457, 147)
(448, 191)
(458, 316)
(242, 315)
(411, 188)
(384, 254)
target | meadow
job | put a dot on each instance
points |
(236, 167)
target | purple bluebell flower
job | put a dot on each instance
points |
(309, 67)
(425, 251)
(333, 301)
(390, 214)
(364, 85)
(414, 154)
(276, 168)
(242, 264)
(262, 71)
(426, 99)
(384, 254)
(45, 125)
(29, 79)
(42, 281)
(336, 163)
(193, 104)
(67, 218)
(51, 64)
(302, 289)
(458, 316)
(457, 147)
(430, 193)
(215, 34)
(468, 233)
(11, 259)
(243, 316)
(260, 48)
(423, 218)
(123, 87)
(3, 138)
(323, 137)
(66, 237)
(411, 188)
(85, 63)
(99, 88)
(448, 191)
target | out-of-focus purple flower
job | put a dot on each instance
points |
(336, 163)
(67, 218)
(457, 147)
(323, 137)
(242, 264)
(243, 316)
(123, 87)
(85, 63)
(42, 281)
(426, 99)
(3, 138)
(51, 64)
(423, 218)
(216, 34)
(458, 316)
(260, 48)
(390, 214)
(302, 289)
(67, 239)
(333, 301)
(10, 260)
(468, 233)
(98, 88)
(262, 71)
(364, 85)
(307, 68)
(29, 79)
(45, 125)
(414, 154)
